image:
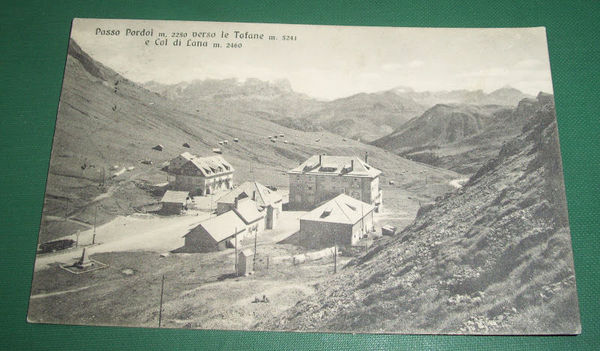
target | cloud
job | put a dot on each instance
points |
(486, 73)
(416, 64)
(393, 67)
(390, 67)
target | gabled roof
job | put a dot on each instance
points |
(175, 196)
(222, 226)
(248, 211)
(340, 209)
(263, 196)
(351, 166)
(210, 166)
(187, 156)
(246, 252)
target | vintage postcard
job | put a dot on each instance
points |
(247, 176)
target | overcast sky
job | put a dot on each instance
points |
(329, 62)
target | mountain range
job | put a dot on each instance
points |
(459, 137)
(363, 116)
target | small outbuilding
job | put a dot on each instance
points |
(388, 230)
(174, 202)
(245, 263)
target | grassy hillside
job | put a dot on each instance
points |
(105, 120)
(493, 257)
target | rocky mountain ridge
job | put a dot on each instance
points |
(362, 116)
(493, 257)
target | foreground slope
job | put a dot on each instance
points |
(494, 257)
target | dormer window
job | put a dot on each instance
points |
(326, 213)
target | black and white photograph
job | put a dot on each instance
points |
(306, 178)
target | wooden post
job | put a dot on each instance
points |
(162, 288)
(236, 252)
(254, 258)
(77, 238)
(267, 262)
(95, 216)
(335, 259)
(362, 219)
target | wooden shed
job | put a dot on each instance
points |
(174, 202)
(245, 262)
(388, 230)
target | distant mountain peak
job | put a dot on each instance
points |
(506, 88)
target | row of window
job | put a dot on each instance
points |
(312, 178)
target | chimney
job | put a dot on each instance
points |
(254, 195)
(320, 159)
(351, 165)
(235, 203)
(366, 157)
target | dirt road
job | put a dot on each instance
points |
(136, 232)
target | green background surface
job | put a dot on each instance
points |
(34, 38)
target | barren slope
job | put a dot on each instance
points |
(492, 257)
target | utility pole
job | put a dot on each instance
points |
(162, 288)
(254, 258)
(236, 254)
(362, 219)
(335, 259)
(95, 216)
